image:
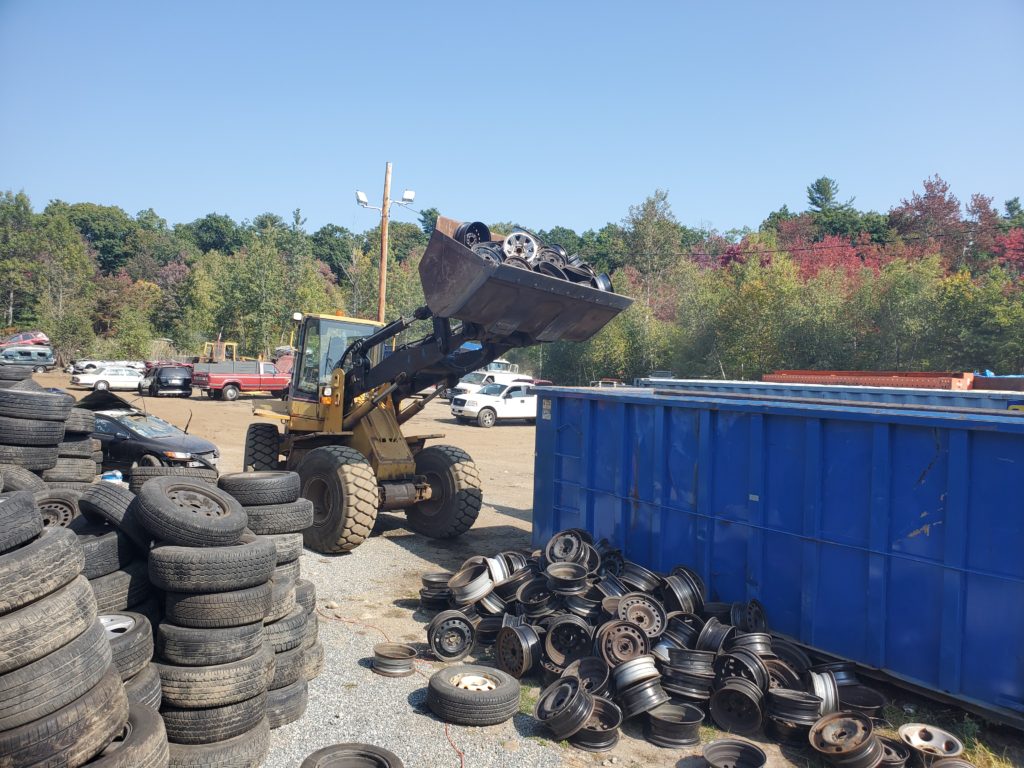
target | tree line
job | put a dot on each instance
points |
(930, 284)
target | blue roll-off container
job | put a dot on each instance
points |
(889, 536)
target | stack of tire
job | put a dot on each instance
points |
(62, 702)
(139, 476)
(79, 455)
(211, 648)
(275, 511)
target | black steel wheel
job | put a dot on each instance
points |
(736, 706)
(644, 611)
(601, 732)
(564, 707)
(734, 753)
(518, 649)
(451, 636)
(352, 756)
(619, 641)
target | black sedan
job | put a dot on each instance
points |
(132, 438)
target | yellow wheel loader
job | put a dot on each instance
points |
(350, 393)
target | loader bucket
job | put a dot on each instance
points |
(505, 300)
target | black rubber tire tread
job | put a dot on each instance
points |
(218, 609)
(289, 571)
(20, 479)
(173, 524)
(138, 476)
(286, 705)
(462, 707)
(464, 497)
(47, 684)
(20, 521)
(287, 668)
(282, 600)
(44, 406)
(288, 632)
(124, 588)
(142, 743)
(305, 595)
(213, 569)
(30, 633)
(71, 471)
(356, 485)
(30, 431)
(39, 568)
(212, 724)
(73, 734)
(15, 372)
(214, 685)
(111, 503)
(294, 517)
(288, 547)
(61, 484)
(262, 448)
(34, 457)
(80, 421)
(132, 650)
(75, 447)
(106, 549)
(28, 385)
(312, 632)
(190, 647)
(54, 504)
(313, 660)
(246, 751)
(145, 688)
(261, 488)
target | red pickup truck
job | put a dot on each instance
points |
(224, 381)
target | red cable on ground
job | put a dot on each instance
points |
(459, 752)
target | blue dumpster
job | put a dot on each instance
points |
(890, 536)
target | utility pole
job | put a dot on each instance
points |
(384, 211)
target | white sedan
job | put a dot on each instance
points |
(114, 377)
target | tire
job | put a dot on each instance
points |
(456, 500)
(261, 488)
(486, 418)
(58, 506)
(20, 479)
(38, 568)
(61, 485)
(141, 744)
(286, 633)
(205, 686)
(305, 595)
(282, 600)
(40, 628)
(229, 393)
(71, 471)
(312, 632)
(213, 724)
(286, 705)
(34, 457)
(218, 609)
(139, 475)
(54, 681)
(30, 431)
(44, 406)
(119, 508)
(287, 668)
(246, 751)
(106, 549)
(313, 661)
(73, 734)
(20, 521)
(189, 513)
(289, 571)
(462, 706)
(355, 754)
(287, 546)
(189, 647)
(213, 569)
(100, 386)
(275, 519)
(124, 588)
(341, 484)
(131, 641)
(74, 446)
(14, 373)
(80, 422)
(262, 448)
(144, 688)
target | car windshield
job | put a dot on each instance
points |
(474, 378)
(149, 426)
(492, 389)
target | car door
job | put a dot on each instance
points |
(516, 403)
(114, 439)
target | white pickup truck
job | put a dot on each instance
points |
(496, 401)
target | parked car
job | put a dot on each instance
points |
(114, 377)
(175, 380)
(472, 383)
(226, 380)
(38, 358)
(131, 438)
(26, 338)
(91, 366)
(495, 402)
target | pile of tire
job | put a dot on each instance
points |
(62, 701)
(276, 512)
(213, 656)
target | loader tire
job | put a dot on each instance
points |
(262, 448)
(455, 493)
(343, 488)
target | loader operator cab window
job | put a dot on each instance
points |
(323, 345)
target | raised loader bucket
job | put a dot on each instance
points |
(504, 300)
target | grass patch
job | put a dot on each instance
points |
(979, 749)
(527, 700)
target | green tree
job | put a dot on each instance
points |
(823, 194)
(428, 220)
(18, 246)
(106, 228)
(64, 287)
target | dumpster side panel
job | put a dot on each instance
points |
(891, 537)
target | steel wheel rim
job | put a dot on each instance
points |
(116, 624)
(190, 499)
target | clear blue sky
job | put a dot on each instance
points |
(541, 112)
